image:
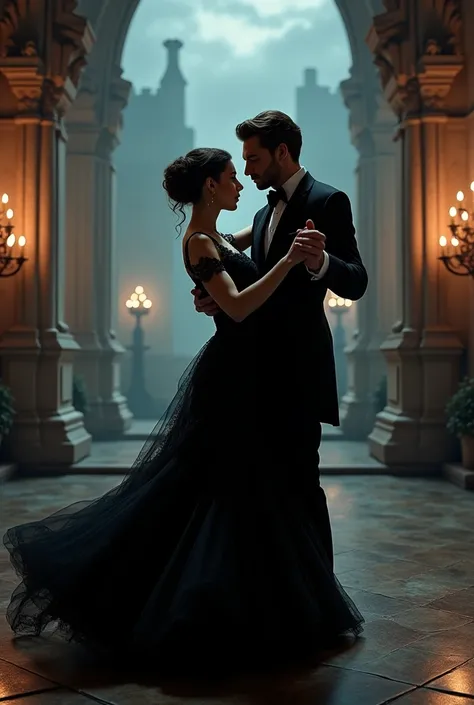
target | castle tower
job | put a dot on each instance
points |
(173, 84)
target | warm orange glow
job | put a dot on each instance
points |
(11, 240)
(454, 241)
(443, 241)
(5, 198)
(138, 300)
(9, 214)
(465, 216)
(460, 196)
(22, 240)
(453, 211)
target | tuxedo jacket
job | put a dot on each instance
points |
(296, 333)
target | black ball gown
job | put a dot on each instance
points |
(206, 556)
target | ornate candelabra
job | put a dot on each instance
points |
(11, 248)
(457, 250)
(140, 403)
(339, 307)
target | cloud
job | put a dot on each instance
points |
(243, 37)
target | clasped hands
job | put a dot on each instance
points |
(311, 242)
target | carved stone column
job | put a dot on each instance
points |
(417, 49)
(42, 49)
(371, 133)
(93, 125)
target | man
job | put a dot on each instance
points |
(299, 372)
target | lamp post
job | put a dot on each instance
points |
(11, 248)
(457, 250)
(140, 403)
(339, 307)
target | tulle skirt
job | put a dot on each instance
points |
(207, 555)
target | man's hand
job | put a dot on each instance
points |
(313, 245)
(206, 305)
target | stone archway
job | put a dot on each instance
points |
(371, 126)
(40, 111)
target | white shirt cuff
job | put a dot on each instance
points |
(324, 268)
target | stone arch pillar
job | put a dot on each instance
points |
(90, 225)
(419, 52)
(94, 127)
(42, 51)
(372, 128)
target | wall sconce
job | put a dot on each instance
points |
(11, 247)
(457, 250)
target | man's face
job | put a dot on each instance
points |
(260, 164)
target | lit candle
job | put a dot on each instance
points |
(443, 243)
(453, 211)
(5, 198)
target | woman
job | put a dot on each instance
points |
(205, 557)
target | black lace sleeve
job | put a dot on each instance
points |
(206, 267)
(232, 240)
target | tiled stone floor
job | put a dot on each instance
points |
(336, 456)
(404, 552)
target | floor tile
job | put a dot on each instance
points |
(460, 680)
(15, 681)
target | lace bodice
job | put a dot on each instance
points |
(238, 265)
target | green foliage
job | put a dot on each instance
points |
(460, 409)
(79, 395)
(6, 410)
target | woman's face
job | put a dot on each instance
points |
(226, 191)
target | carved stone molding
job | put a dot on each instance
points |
(43, 74)
(417, 74)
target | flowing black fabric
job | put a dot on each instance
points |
(208, 552)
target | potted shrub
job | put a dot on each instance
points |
(6, 411)
(460, 411)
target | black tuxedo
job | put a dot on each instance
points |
(296, 368)
(294, 315)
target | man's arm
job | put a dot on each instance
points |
(242, 240)
(346, 275)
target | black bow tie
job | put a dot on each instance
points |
(275, 197)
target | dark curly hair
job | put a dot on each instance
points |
(185, 177)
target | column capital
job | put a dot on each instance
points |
(95, 120)
(419, 53)
(43, 71)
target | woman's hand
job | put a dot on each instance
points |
(296, 253)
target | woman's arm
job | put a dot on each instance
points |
(209, 268)
(242, 240)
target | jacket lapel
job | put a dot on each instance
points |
(292, 219)
(262, 219)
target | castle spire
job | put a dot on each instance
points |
(173, 75)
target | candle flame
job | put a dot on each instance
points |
(443, 241)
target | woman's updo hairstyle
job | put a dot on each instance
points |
(185, 177)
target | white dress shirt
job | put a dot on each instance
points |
(290, 187)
